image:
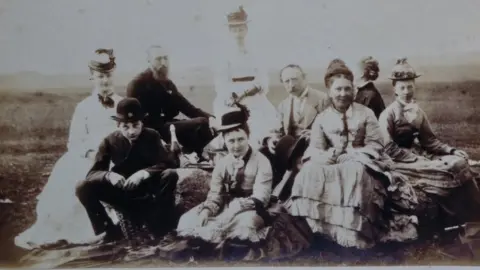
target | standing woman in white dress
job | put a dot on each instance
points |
(240, 74)
(60, 216)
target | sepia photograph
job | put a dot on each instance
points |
(239, 133)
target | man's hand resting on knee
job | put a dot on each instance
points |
(115, 178)
(135, 179)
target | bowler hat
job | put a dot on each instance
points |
(288, 149)
(233, 118)
(237, 17)
(129, 110)
(403, 71)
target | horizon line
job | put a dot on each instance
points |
(206, 67)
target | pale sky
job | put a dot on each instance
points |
(58, 36)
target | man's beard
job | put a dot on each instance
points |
(160, 74)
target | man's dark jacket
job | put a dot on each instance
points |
(161, 100)
(146, 153)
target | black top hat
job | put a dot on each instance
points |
(288, 149)
(129, 110)
(236, 117)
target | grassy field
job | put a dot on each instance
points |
(34, 128)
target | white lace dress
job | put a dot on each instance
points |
(237, 74)
(60, 216)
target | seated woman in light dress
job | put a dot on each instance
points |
(237, 216)
(341, 187)
(239, 190)
(240, 74)
(439, 170)
(60, 216)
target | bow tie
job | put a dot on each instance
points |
(107, 102)
(410, 112)
(238, 164)
(410, 107)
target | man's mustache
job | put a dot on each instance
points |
(344, 99)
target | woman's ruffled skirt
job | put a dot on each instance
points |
(247, 234)
(447, 181)
(246, 225)
(346, 204)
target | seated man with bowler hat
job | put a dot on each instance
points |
(163, 102)
(140, 181)
(295, 114)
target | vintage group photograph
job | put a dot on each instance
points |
(220, 133)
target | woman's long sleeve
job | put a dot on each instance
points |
(429, 141)
(387, 129)
(262, 188)
(214, 201)
(318, 147)
(373, 137)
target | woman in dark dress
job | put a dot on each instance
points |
(367, 93)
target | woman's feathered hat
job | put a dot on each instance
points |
(403, 71)
(102, 61)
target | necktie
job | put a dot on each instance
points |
(239, 177)
(344, 132)
(291, 126)
(240, 168)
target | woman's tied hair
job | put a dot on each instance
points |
(291, 66)
(370, 68)
(337, 68)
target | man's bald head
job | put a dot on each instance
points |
(155, 51)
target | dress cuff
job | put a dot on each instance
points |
(212, 207)
(372, 153)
